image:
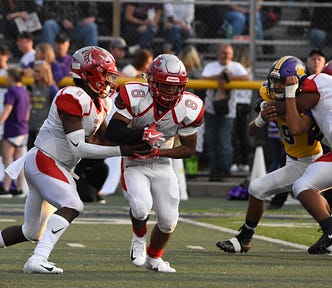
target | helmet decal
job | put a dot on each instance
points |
(97, 68)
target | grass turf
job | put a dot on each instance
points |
(103, 260)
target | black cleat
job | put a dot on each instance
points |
(234, 245)
(322, 245)
(240, 243)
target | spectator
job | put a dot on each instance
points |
(178, 20)
(25, 45)
(237, 17)
(15, 117)
(41, 93)
(219, 126)
(192, 61)
(12, 10)
(140, 64)
(45, 51)
(315, 62)
(4, 57)
(321, 26)
(118, 48)
(62, 56)
(241, 141)
(77, 18)
(141, 24)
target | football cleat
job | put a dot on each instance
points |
(234, 245)
(158, 265)
(322, 245)
(240, 243)
(41, 266)
(138, 250)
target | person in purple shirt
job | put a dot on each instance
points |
(45, 51)
(63, 57)
(15, 117)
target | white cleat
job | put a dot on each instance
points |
(41, 266)
(138, 250)
(158, 265)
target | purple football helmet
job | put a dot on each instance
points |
(280, 70)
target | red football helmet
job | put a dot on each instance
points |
(97, 68)
(167, 70)
(328, 68)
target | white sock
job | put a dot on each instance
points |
(2, 243)
(56, 226)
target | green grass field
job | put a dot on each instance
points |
(101, 239)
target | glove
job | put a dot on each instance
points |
(154, 154)
(153, 137)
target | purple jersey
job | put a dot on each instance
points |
(17, 122)
(65, 63)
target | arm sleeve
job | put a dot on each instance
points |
(81, 149)
(118, 132)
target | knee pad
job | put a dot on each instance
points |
(78, 205)
(256, 188)
(31, 233)
(167, 229)
(167, 225)
(140, 214)
(298, 187)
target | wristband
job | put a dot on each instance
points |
(290, 91)
(259, 121)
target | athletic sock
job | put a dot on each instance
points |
(154, 253)
(56, 226)
(2, 243)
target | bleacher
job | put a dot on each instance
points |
(287, 37)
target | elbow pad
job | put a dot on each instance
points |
(118, 132)
(81, 149)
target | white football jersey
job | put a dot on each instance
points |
(74, 101)
(136, 103)
(322, 112)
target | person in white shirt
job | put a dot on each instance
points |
(25, 45)
(219, 126)
(178, 19)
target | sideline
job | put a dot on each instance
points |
(231, 231)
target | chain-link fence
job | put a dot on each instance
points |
(282, 27)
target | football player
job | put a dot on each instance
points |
(76, 112)
(316, 95)
(149, 181)
(301, 150)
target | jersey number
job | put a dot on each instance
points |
(137, 93)
(191, 104)
(287, 135)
